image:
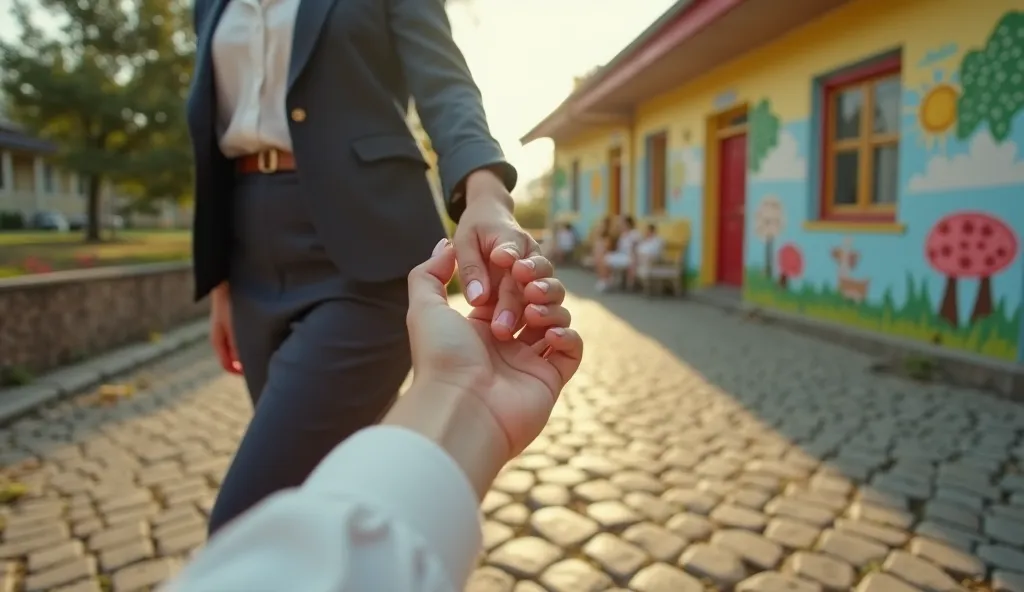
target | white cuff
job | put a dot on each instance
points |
(414, 481)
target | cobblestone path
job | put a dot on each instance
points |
(695, 451)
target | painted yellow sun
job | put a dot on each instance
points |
(937, 113)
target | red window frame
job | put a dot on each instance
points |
(864, 210)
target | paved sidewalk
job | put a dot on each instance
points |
(695, 451)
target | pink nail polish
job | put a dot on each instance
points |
(439, 248)
(506, 318)
(558, 331)
(474, 290)
(529, 263)
(540, 309)
(542, 286)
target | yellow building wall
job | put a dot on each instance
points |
(591, 149)
(898, 288)
(848, 35)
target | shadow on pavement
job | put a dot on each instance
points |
(695, 450)
(775, 432)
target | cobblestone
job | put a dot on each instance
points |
(796, 471)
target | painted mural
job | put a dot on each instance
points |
(950, 271)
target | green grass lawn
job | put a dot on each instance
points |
(915, 318)
(24, 252)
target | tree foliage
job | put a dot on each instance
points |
(108, 87)
(532, 212)
(764, 133)
(993, 81)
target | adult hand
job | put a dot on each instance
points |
(222, 333)
(517, 381)
(496, 256)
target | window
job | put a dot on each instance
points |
(574, 188)
(48, 179)
(860, 156)
(657, 161)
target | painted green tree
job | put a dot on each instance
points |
(993, 81)
(764, 133)
(558, 180)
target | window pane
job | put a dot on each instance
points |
(844, 178)
(885, 173)
(887, 106)
(848, 105)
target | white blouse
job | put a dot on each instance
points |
(386, 511)
(252, 48)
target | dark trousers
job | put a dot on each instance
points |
(323, 356)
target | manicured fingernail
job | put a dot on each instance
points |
(439, 248)
(474, 290)
(542, 285)
(511, 251)
(506, 318)
(540, 309)
(558, 331)
(528, 263)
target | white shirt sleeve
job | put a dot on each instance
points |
(386, 511)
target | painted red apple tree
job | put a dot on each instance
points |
(969, 245)
(791, 263)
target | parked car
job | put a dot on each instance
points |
(54, 221)
(80, 221)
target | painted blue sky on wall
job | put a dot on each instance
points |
(937, 178)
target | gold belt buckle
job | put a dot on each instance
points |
(266, 161)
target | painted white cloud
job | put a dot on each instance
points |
(986, 164)
(784, 162)
(693, 164)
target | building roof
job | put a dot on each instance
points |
(691, 38)
(13, 137)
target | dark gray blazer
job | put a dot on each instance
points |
(354, 66)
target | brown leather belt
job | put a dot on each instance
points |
(266, 162)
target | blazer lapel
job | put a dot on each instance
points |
(308, 23)
(203, 95)
(205, 37)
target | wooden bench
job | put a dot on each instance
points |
(670, 267)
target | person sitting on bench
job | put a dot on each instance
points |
(623, 258)
(565, 243)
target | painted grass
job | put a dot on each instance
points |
(39, 252)
(995, 336)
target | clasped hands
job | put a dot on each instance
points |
(490, 378)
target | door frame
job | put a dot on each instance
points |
(614, 158)
(719, 125)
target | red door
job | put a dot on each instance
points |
(732, 187)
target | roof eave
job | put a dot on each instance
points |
(544, 128)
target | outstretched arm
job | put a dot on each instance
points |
(447, 99)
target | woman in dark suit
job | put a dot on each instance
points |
(312, 206)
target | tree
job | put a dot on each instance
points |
(533, 212)
(108, 87)
(969, 245)
(993, 81)
(769, 221)
(764, 133)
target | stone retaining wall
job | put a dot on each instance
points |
(55, 319)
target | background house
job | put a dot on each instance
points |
(854, 161)
(31, 183)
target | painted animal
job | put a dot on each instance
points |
(854, 290)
